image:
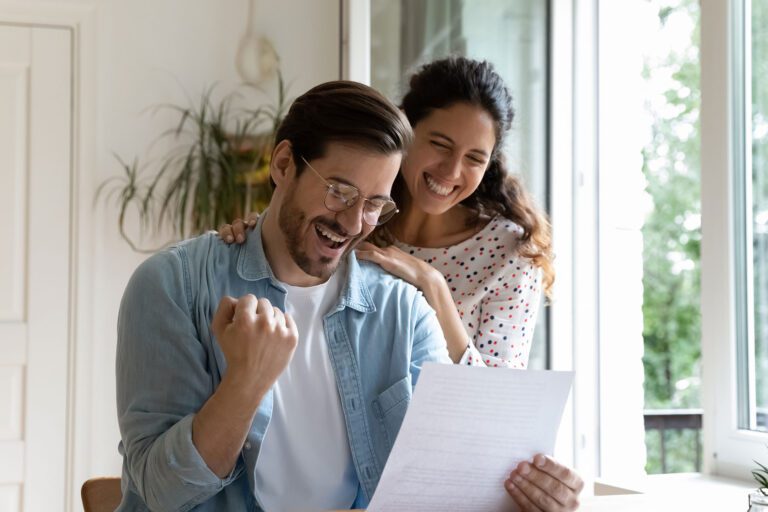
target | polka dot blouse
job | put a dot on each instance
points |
(497, 292)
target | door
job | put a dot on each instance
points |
(35, 223)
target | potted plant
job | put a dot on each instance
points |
(758, 500)
(217, 171)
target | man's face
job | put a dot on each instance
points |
(317, 238)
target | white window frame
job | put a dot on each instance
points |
(356, 40)
(575, 317)
(728, 450)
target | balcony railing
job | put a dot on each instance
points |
(664, 439)
(668, 423)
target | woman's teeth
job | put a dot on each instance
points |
(329, 235)
(438, 189)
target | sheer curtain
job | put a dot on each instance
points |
(430, 29)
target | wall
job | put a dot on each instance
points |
(151, 52)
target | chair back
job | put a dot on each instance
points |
(101, 494)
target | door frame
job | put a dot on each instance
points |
(80, 20)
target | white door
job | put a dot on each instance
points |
(35, 223)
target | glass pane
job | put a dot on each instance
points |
(672, 238)
(672, 230)
(512, 34)
(759, 356)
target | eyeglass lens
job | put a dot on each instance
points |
(340, 197)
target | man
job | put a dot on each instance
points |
(201, 375)
(290, 396)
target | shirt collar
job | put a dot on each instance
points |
(252, 265)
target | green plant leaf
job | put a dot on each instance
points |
(200, 182)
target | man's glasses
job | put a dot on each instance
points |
(341, 196)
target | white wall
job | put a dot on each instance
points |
(148, 50)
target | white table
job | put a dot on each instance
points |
(678, 492)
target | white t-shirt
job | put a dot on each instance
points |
(304, 462)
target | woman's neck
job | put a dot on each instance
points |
(419, 228)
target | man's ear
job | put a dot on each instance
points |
(281, 167)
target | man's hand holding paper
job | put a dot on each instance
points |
(545, 485)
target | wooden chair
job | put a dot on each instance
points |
(101, 494)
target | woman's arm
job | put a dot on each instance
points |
(507, 318)
(431, 283)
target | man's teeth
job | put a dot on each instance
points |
(330, 235)
(438, 189)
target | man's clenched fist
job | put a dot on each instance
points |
(258, 340)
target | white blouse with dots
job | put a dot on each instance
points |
(496, 291)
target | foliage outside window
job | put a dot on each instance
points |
(672, 234)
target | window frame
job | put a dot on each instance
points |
(728, 449)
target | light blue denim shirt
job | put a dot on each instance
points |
(169, 363)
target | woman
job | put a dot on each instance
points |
(469, 237)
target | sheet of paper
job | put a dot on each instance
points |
(465, 430)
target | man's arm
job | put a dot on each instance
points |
(258, 341)
(163, 384)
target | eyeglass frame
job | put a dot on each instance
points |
(329, 185)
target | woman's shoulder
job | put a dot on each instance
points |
(506, 236)
(499, 232)
(505, 227)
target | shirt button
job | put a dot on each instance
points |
(247, 445)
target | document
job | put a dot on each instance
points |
(465, 430)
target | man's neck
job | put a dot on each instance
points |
(278, 256)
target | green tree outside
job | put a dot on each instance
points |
(672, 240)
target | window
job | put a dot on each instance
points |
(734, 255)
(570, 95)
(672, 236)
(751, 218)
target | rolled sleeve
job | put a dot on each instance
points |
(163, 379)
(186, 462)
(471, 357)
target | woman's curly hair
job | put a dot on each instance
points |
(452, 80)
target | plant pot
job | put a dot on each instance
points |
(758, 502)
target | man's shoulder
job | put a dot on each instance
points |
(384, 286)
(375, 276)
(184, 259)
(203, 248)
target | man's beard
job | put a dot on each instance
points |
(291, 220)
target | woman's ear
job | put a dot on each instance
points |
(281, 166)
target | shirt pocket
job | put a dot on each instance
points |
(390, 406)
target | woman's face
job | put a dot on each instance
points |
(450, 152)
